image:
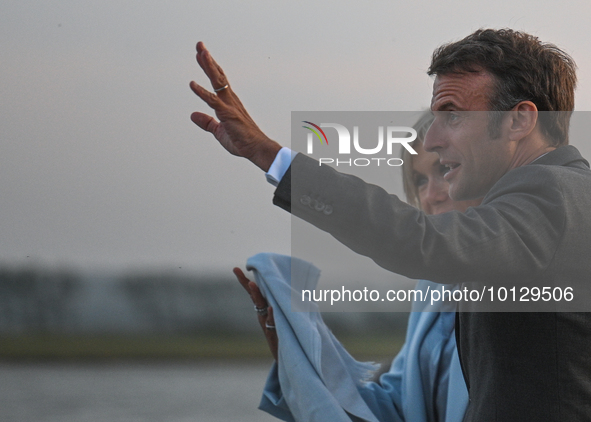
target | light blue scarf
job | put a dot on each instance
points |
(316, 379)
(319, 379)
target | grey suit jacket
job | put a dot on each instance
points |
(533, 228)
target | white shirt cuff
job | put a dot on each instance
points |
(280, 165)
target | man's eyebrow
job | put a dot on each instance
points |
(446, 107)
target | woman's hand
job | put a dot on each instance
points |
(264, 311)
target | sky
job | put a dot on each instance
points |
(100, 166)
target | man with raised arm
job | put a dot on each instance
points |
(502, 102)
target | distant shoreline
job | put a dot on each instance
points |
(42, 347)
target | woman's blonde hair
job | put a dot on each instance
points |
(408, 182)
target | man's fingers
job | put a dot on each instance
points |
(210, 98)
(216, 74)
(198, 56)
(200, 47)
(213, 71)
(205, 121)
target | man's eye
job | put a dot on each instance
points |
(452, 117)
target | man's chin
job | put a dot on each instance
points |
(457, 192)
(454, 192)
(460, 193)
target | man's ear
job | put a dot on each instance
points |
(522, 120)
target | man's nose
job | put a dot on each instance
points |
(433, 141)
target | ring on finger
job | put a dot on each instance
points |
(261, 311)
(269, 327)
(222, 88)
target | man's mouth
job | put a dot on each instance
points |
(451, 169)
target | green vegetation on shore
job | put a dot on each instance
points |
(65, 347)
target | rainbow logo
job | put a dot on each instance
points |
(315, 132)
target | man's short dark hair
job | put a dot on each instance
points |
(525, 69)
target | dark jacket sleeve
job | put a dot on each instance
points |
(512, 236)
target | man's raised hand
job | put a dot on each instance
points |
(235, 130)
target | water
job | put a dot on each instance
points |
(132, 392)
